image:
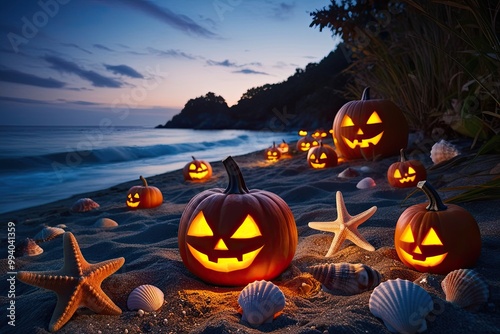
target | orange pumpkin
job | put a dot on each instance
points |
(283, 147)
(369, 128)
(197, 170)
(305, 143)
(319, 134)
(437, 238)
(322, 156)
(406, 173)
(272, 153)
(144, 197)
(236, 236)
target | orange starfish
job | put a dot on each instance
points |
(77, 283)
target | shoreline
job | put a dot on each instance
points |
(147, 239)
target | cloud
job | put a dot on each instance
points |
(249, 71)
(22, 100)
(29, 79)
(283, 10)
(124, 70)
(73, 45)
(178, 21)
(225, 63)
(171, 53)
(102, 47)
(95, 78)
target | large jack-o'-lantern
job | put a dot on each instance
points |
(197, 170)
(437, 238)
(369, 128)
(322, 156)
(236, 236)
(406, 173)
(143, 197)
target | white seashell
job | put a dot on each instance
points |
(28, 247)
(48, 233)
(105, 223)
(260, 301)
(145, 297)
(465, 288)
(348, 173)
(366, 169)
(402, 305)
(366, 183)
(61, 226)
(83, 205)
(346, 278)
(442, 151)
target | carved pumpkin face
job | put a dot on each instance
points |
(322, 156)
(369, 128)
(283, 147)
(319, 134)
(197, 170)
(436, 238)
(272, 153)
(406, 173)
(226, 238)
(305, 143)
(143, 197)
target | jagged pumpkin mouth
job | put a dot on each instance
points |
(363, 143)
(222, 264)
(407, 179)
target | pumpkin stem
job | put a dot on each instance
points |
(435, 202)
(274, 144)
(193, 158)
(236, 182)
(366, 94)
(403, 156)
(144, 182)
(283, 141)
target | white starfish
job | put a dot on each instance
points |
(345, 227)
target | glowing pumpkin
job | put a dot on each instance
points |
(197, 170)
(272, 153)
(369, 128)
(283, 147)
(144, 197)
(236, 236)
(436, 238)
(406, 173)
(319, 134)
(322, 156)
(305, 143)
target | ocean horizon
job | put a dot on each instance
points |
(42, 164)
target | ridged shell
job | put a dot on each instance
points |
(442, 151)
(402, 305)
(260, 301)
(466, 288)
(83, 205)
(348, 173)
(366, 183)
(48, 233)
(105, 223)
(28, 247)
(145, 297)
(346, 278)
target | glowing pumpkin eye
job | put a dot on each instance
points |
(199, 227)
(275, 153)
(203, 166)
(192, 167)
(411, 170)
(248, 229)
(347, 121)
(374, 119)
(407, 236)
(323, 134)
(323, 156)
(432, 238)
(268, 152)
(397, 174)
(312, 157)
(136, 195)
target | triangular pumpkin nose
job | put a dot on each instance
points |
(221, 245)
(416, 251)
(360, 132)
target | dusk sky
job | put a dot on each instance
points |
(134, 62)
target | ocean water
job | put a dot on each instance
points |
(43, 164)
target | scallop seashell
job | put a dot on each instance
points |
(366, 183)
(346, 278)
(260, 302)
(28, 247)
(465, 288)
(84, 204)
(105, 223)
(402, 305)
(48, 233)
(442, 151)
(145, 297)
(348, 173)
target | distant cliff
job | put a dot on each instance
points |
(308, 99)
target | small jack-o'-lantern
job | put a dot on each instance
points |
(322, 156)
(272, 153)
(305, 143)
(437, 238)
(369, 128)
(197, 170)
(319, 134)
(283, 147)
(406, 173)
(236, 236)
(144, 197)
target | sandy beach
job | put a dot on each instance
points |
(147, 239)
